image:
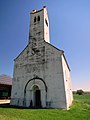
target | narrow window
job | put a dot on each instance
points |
(35, 19)
(38, 18)
(46, 22)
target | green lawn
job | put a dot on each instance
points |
(80, 110)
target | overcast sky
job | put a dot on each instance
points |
(69, 31)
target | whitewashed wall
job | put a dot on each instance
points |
(41, 60)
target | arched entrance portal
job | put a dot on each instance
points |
(37, 96)
(35, 93)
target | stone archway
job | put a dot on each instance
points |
(35, 93)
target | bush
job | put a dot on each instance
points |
(80, 92)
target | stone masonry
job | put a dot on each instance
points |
(41, 72)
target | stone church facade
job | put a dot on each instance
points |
(41, 72)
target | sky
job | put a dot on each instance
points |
(69, 31)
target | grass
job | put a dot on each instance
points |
(80, 110)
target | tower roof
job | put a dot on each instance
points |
(35, 11)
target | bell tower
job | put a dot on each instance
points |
(39, 27)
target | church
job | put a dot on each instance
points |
(41, 72)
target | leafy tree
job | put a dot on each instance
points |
(80, 92)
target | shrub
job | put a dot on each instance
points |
(80, 92)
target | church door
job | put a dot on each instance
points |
(37, 98)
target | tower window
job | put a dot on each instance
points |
(35, 19)
(38, 18)
(46, 22)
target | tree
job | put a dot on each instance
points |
(80, 92)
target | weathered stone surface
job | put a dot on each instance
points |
(41, 73)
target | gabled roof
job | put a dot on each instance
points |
(66, 62)
(21, 52)
(53, 47)
(5, 80)
(62, 54)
